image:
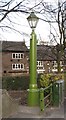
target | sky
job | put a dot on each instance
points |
(42, 30)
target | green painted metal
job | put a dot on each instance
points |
(51, 93)
(54, 97)
(43, 105)
(33, 97)
(33, 92)
(55, 94)
(33, 61)
(61, 92)
(42, 99)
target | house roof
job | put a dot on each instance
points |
(14, 46)
(46, 52)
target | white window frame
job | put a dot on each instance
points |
(40, 67)
(17, 66)
(40, 63)
(55, 64)
(61, 63)
(54, 70)
(17, 55)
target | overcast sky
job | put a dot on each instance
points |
(42, 29)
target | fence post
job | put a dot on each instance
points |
(51, 93)
(42, 99)
(55, 94)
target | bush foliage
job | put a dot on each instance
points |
(15, 83)
(46, 79)
(22, 82)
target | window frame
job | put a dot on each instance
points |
(17, 55)
(17, 66)
(40, 63)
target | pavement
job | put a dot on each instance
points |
(34, 112)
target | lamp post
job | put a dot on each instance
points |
(33, 92)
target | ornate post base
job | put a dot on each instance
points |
(33, 97)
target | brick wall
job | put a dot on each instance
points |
(7, 62)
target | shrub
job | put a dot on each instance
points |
(46, 79)
(15, 83)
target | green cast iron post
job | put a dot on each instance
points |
(33, 92)
(33, 60)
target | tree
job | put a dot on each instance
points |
(60, 22)
(50, 14)
(48, 11)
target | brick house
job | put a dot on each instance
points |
(47, 59)
(14, 58)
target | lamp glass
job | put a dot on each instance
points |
(32, 20)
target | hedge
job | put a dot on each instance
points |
(22, 82)
(15, 83)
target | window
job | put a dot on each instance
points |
(13, 55)
(54, 69)
(54, 63)
(22, 55)
(17, 66)
(39, 63)
(13, 65)
(17, 55)
(61, 63)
